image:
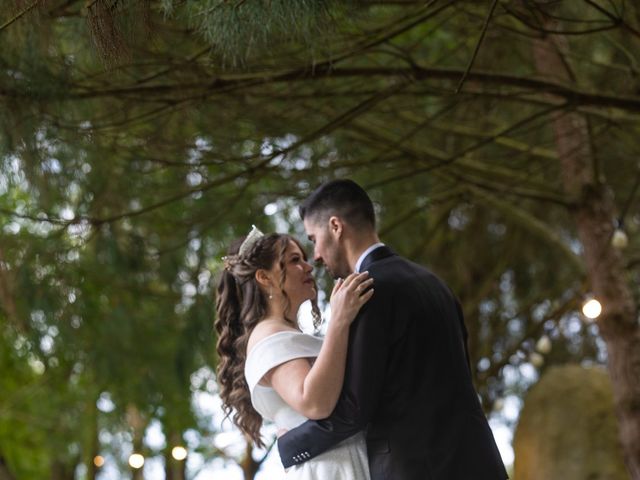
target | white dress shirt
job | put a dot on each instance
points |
(365, 253)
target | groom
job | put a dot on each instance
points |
(407, 381)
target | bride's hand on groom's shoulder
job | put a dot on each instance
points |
(348, 296)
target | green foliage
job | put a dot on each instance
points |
(240, 29)
(23, 394)
(120, 188)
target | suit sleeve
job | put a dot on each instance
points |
(361, 392)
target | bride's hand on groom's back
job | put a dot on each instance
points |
(348, 296)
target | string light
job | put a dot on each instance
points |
(98, 461)
(536, 359)
(136, 460)
(619, 239)
(543, 345)
(179, 453)
(592, 309)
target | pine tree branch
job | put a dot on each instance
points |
(547, 31)
(250, 171)
(634, 190)
(478, 43)
(220, 84)
(398, 27)
(436, 198)
(531, 224)
(613, 18)
(464, 167)
(19, 15)
(458, 173)
(533, 331)
(453, 158)
(199, 189)
(507, 142)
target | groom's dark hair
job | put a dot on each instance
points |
(343, 198)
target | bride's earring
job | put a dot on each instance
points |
(270, 293)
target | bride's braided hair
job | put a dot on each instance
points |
(240, 305)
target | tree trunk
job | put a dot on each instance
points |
(5, 473)
(7, 298)
(169, 467)
(138, 425)
(248, 464)
(62, 471)
(594, 216)
(174, 469)
(91, 440)
(137, 473)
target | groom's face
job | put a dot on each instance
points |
(326, 247)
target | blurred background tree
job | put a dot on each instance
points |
(567, 428)
(497, 138)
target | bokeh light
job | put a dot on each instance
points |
(136, 460)
(592, 309)
(179, 453)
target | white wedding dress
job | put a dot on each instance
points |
(347, 460)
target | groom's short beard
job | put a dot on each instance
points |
(340, 267)
(338, 274)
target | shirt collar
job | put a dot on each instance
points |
(365, 253)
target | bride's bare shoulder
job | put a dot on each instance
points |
(266, 328)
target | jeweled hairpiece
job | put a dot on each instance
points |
(245, 247)
(253, 236)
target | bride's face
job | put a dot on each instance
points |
(299, 284)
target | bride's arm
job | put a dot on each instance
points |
(313, 390)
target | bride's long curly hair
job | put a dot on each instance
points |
(240, 305)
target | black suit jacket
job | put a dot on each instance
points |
(408, 383)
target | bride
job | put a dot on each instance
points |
(269, 369)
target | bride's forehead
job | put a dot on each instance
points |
(293, 247)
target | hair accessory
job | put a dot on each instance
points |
(226, 260)
(246, 246)
(253, 236)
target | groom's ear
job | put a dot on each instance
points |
(336, 226)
